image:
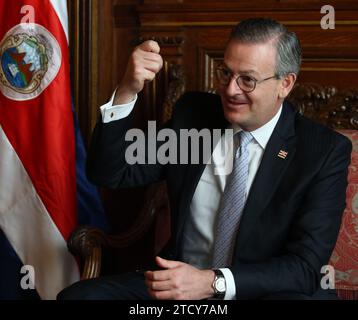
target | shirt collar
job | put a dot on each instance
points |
(262, 134)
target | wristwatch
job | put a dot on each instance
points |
(219, 284)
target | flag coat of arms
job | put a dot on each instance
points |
(38, 192)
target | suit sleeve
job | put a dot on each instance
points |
(107, 165)
(311, 239)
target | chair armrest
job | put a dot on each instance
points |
(86, 242)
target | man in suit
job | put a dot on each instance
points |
(265, 230)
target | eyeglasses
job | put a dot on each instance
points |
(246, 83)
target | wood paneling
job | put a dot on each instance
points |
(100, 46)
(329, 56)
(193, 35)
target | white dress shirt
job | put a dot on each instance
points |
(199, 229)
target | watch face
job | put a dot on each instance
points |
(220, 285)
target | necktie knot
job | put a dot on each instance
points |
(245, 138)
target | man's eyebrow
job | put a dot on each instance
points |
(250, 71)
(243, 72)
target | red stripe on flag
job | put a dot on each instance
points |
(41, 130)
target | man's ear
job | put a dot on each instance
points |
(287, 83)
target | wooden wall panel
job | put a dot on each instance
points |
(192, 34)
(329, 56)
(102, 36)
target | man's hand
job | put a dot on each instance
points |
(144, 63)
(179, 281)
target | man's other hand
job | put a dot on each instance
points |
(179, 281)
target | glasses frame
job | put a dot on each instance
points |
(256, 82)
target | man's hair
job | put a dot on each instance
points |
(262, 30)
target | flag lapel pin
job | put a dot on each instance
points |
(282, 154)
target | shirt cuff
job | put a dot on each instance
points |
(112, 112)
(230, 284)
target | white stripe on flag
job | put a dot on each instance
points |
(60, 7)
(29, 227)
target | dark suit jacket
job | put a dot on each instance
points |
(293, 212)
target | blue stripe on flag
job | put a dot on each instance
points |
(90, 209)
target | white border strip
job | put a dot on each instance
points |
(60, 7)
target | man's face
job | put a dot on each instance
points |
(251, 110)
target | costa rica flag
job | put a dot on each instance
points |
(44, 192)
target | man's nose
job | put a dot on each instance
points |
(232, 88)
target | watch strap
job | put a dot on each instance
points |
(218, 275)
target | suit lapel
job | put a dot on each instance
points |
(272, 168)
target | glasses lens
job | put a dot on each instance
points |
(246, 83)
